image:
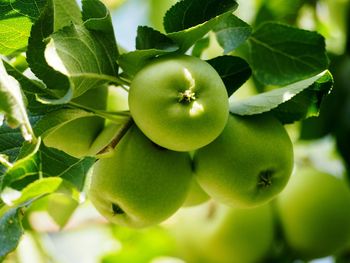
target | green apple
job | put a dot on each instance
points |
(196, 195)
(141, 184)
(179, 102)
(243, 236)
(223, 234)
(76, 136)
(248, 164)
(314, 211)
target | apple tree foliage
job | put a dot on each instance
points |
(72, 50)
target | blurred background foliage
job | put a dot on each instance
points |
(72, 233)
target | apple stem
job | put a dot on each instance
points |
(118, 137)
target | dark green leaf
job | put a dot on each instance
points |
(96, 16)
(234, 71)
(55, 81)
(189, 21)
(11, 231)
(281, 54)
(11, 141)
(29, 165)
(150, 44)
(231, 32)
(149, 38)
(186, 38)
(56, 15)
(190, 13)
(58, 163)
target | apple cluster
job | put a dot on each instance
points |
(184, 146)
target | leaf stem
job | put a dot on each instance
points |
(5, 162)
(112, 116)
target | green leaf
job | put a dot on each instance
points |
(232, 32)
(41, 188)
(307, 103)
(134, 61)
(47, 161)
(56, 15)
(56, 119)
(32, 89)
(188, 37)
(29, 86)
(12, 104)
(60, 164)
(281, 100)
(282, 54)
(150, 44)
(189, 20)
(186, 23)
(56, 82)
(97, 19)
(200, 46)
(190, 13)
(80, 55)
(65, 13)
(234, 71)
(11, 141)
(16, 19)
(11, 215)
(11, 231)
(29, 165)
(149, 38)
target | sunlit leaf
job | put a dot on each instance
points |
(283, 98)
(12, 103)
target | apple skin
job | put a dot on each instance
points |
(179, 102)
(76, 137)
(314, 212)
(141, 184)
(248, 164)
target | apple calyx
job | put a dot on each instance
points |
(117, 209)
(265, 178)
(187, 96)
